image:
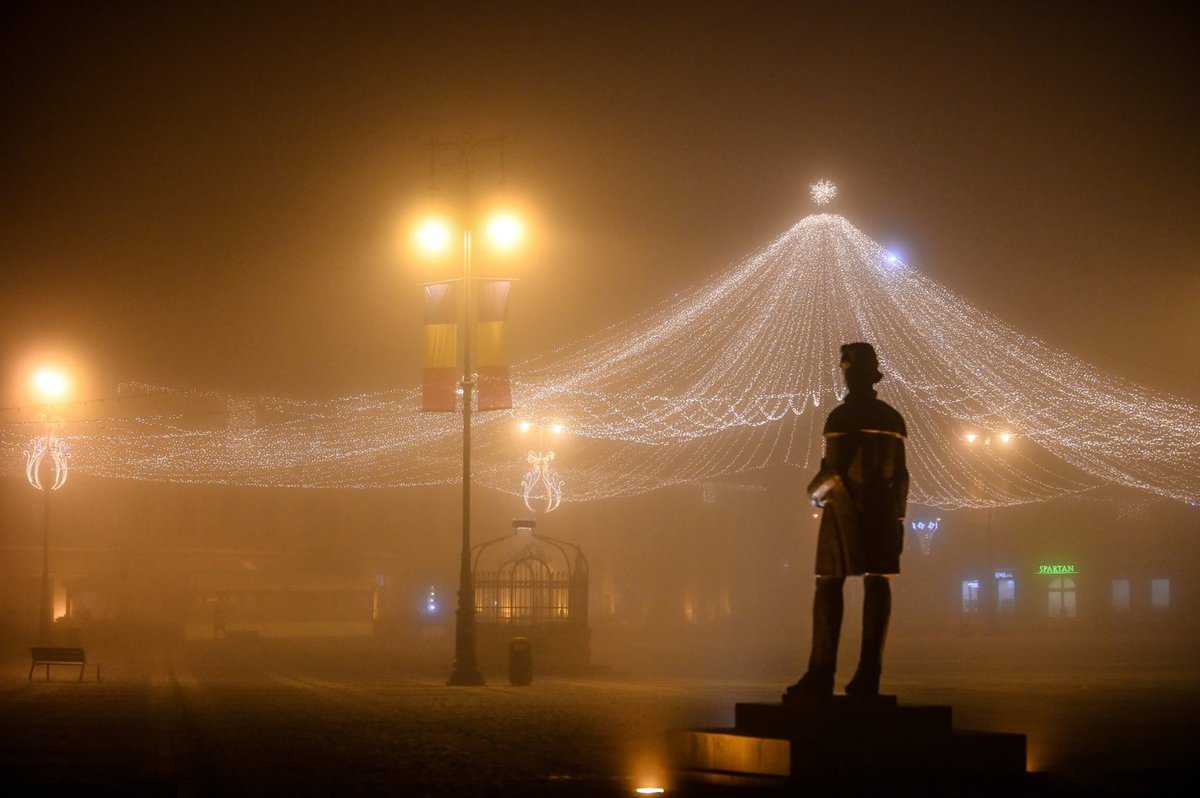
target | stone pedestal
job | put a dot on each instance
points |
(843, 740)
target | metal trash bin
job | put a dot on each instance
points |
(520, 661)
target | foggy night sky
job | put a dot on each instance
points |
(220, 200)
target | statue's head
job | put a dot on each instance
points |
(860, 365)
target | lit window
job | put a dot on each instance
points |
(1120, 595)
(970, 596)
(1006, 596)
(1160, 593)
(1062, 597)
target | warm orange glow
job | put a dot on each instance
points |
(51, 384)
(524, 426)
(557, 428)
(971, 437)
(433, 236)
(1005, 437)
(60, 601)
(505, 230)
(648, 776)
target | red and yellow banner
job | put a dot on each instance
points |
(440, 353)
(491, 350)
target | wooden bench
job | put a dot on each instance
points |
(47, 655)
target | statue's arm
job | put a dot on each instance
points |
(901, 484)
(830, 472)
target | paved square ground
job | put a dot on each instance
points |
(227, 721)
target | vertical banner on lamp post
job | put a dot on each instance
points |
(491, 352)
(440, 353)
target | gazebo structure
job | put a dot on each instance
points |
(533, 586)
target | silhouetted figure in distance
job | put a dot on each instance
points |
(863, 488)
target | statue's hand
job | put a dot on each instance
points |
(820, 488)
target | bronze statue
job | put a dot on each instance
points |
(863, 488)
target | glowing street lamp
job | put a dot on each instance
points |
(50, 385)
(505, 230)
(1005, 439)
(433, 237)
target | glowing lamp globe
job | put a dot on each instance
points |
(433, 237)
(50, 384)
(505, 231)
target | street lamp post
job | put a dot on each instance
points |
(434, 236)
(45, 603)
(1004, 439)
(50, 386)
(466, 668)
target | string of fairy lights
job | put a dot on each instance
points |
(732, 376)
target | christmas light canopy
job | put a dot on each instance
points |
(730, 377)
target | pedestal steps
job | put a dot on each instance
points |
(844, 740)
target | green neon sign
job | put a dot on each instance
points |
(1056, 569)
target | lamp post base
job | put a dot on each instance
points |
(462, 677)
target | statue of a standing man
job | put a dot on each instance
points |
(863, 488)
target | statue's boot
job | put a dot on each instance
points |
(877, 609)
(827, 627)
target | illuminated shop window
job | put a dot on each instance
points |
(1006, 595)
(1062, 597)
(1160, 593)
(1120, 595)
(970, 596)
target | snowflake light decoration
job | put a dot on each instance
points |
(539, 473)
(823, 192)
(38, 449)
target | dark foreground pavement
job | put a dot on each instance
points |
(229, 722)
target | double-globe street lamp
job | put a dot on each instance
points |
(434, 239)
(978, 442)
(50, 387)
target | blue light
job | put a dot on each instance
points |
(893, 259)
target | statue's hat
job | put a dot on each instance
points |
(860, 358)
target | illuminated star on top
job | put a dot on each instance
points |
(822, 192)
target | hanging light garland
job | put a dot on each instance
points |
(732, 376)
